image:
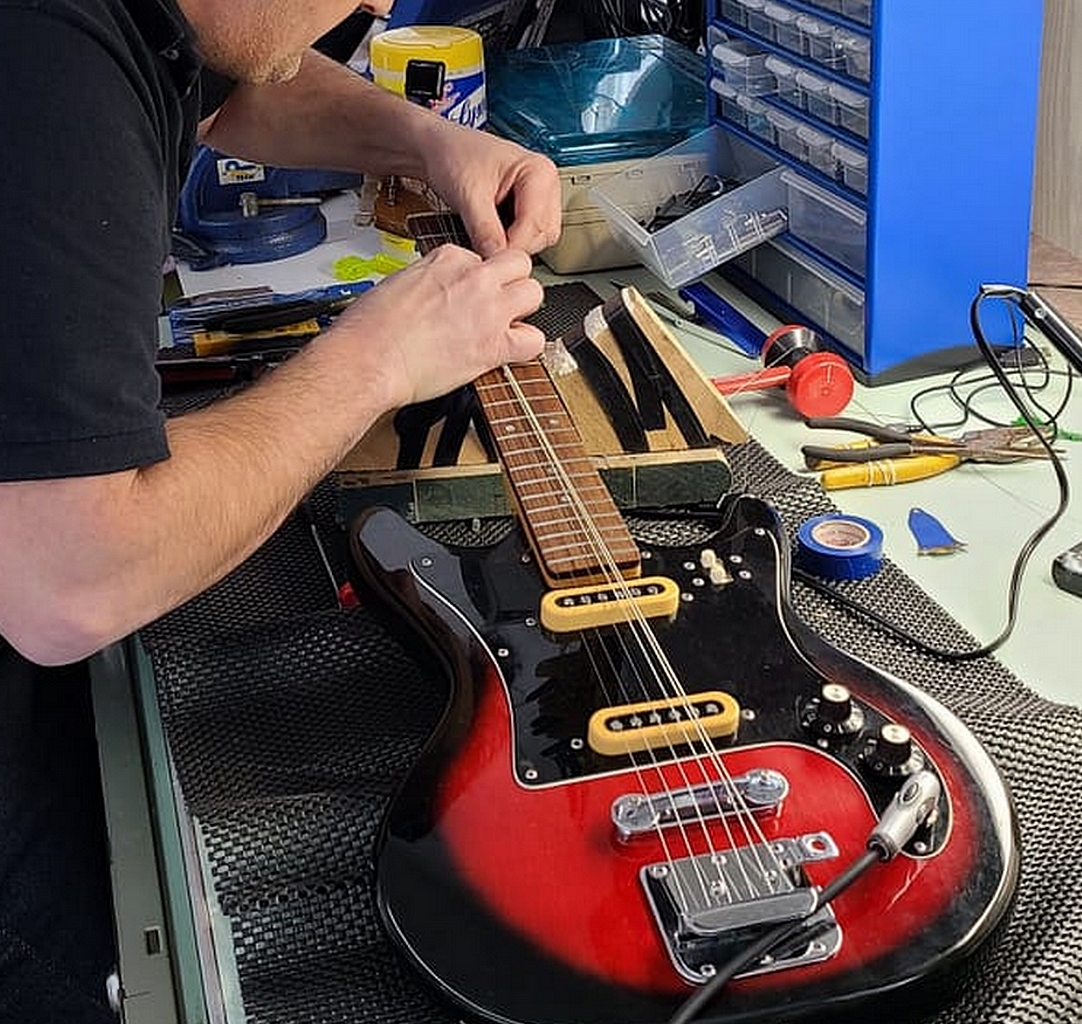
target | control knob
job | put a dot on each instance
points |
(832, 714)
(892, 752)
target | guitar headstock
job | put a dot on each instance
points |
(399, 199)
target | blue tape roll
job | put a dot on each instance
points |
(838, 547)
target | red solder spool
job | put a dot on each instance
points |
(817, 382)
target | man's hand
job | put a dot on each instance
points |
(474, 173)
(328, 116)
(440, 323)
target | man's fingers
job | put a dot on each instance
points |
(524, 342)
(524, 296)
(486, 232)
(537, 220)
(510, 265)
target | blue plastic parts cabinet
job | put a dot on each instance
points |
(907, 128)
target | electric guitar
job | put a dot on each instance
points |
(648, 761)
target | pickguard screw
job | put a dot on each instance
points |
(502, 652)
(426, 562)
(576, 744)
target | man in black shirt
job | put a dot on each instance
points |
(100, 496)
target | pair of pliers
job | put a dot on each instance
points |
(889, 455)
(882, 443)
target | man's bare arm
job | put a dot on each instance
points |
(326, 116)
(330, 117)
(87, 560)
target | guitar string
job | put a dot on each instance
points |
(660, 661)
(603, 558)
(523, 403)
(742, 812)
(743, 815)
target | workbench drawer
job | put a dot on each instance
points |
(742, 65)
(698, 204)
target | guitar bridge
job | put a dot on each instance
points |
(637, 814)
(710, 906)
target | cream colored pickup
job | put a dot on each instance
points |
(570, 609)
(693, 718)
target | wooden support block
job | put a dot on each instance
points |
(670, 473)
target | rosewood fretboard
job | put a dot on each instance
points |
(575, 529)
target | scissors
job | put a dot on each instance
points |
(890, 455)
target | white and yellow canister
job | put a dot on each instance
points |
(440, 66)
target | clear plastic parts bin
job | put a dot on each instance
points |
(785, 79)
(814, 291)
(852, 167)
(743, 66)
(851, 108)
(786, 29)
(749, 209)
(826, 222)
(858, 10)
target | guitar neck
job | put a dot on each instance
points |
(573, 524)
(574, 527)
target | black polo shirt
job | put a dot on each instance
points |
(99, 101)
(98, 108)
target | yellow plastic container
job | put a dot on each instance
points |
(439, 66)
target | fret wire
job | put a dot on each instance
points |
(539, 493)
(524, 444)
(548, 407)
(553, 533)
(551, 526)
(526, 462)
(559, 544)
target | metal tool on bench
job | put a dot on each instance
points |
(888, 455)
(232, 211)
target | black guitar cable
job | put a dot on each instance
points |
(1042, 317)
(913, 806)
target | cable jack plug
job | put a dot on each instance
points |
(913, 806)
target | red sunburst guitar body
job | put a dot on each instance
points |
(505, 876)
(647, 763)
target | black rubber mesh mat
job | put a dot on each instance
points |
(290, 722)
